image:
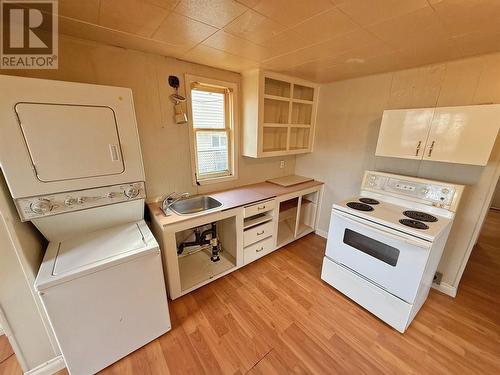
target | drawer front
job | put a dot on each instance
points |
(257, 233)
(257, 250)
(259, 208)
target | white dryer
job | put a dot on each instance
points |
(71, 157)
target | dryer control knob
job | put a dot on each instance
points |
(131, 192)
(41, 207)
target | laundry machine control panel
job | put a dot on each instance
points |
(53, 204)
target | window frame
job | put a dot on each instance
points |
(231, 129)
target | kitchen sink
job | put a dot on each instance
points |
(195, 205)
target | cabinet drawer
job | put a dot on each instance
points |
(259, 208)
(257, 233)
(257, 250)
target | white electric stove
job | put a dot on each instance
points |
(384, 246)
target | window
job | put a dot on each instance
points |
(212, 123)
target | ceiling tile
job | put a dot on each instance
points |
(254, 27)
(465, 16)
(479, 42)
(422, 52)
(325, 26)
(285, 42)
(217, 13)
(202, 54)
(166, 4)
(133, 16)
(422, 24)
(180, 30)
(325, 50)
(366, 12)
(82, 10)
(291, 12)
(237, 46)
(85, 30)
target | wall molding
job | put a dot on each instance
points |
(447, 289)
(321, 232)
(48, 368)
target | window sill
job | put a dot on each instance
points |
(216, 180)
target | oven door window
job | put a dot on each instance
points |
(374, 248)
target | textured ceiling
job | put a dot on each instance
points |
(319, 40)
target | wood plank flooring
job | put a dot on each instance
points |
(276, 316)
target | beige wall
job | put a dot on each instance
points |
(21, 251)
(347, 128)
(165, 145)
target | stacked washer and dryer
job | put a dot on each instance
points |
(71, 157)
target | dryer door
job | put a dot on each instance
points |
(70, 141)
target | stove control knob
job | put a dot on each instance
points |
(41, 207)
(70, 201)
(131, 192)
(445, 191)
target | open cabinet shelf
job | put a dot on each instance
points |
(272, 101)
(297, 217)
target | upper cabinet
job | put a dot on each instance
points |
(279, 114)
(463, 135)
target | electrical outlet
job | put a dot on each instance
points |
(282, 164)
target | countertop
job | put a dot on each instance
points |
(232, 198)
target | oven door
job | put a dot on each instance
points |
(388, 258)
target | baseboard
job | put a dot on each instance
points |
(49, 367)
(446, 289)
(321, 233)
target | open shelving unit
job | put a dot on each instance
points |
(297, 217)
(279, 114)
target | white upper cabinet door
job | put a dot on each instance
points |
(463, 135)
(70, 141)
(403, 133)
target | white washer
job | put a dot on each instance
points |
(104, 294)
(71, 157)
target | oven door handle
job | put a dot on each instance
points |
(403, 237)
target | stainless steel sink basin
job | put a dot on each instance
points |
(195, 205)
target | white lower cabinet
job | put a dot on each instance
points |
(244, 234)
(297, 215)
(257, 250)
(258, 233)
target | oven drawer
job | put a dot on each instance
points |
(258, 250)
(258, 233)
(259, 208)
(393, 260)
(384, 305)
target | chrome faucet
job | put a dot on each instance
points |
(170, 199)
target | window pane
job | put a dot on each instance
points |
(212, 152)
(208, 109)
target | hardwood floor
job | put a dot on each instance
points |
(276, 316)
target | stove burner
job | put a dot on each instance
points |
(420, 216)
(359, 206)
(414, 224)
(369, 201)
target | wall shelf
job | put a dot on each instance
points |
(273, 100)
